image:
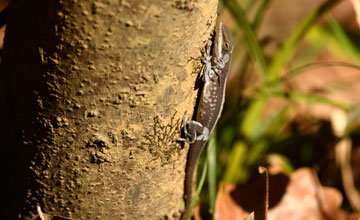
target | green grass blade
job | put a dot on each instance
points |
(317, 40)
(282, 161)
(235, 171)
(267, 126)
(286, 52)
(211, 160)
(249, 4)
(199, 188)
(260, 14)
(270, 124)
(309, 66)
(344, 40)
(309, 98)
(256, 152)
(252, 117)
(252, 43)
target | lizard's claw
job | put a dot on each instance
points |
(193, 131)
(186, 134)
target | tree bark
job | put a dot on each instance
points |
(91, 100)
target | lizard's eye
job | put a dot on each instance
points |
(226, 45)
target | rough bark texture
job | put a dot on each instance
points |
(92, 97)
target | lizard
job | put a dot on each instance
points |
(197, 133)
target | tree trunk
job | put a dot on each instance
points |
(91, 100)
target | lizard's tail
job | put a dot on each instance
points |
(194, 154)
(188, 191)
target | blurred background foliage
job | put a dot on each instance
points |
(295, 66)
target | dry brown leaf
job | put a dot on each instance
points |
(305, 199)
(226, 206)
(252, 199)
(250, 217)
(299, 198)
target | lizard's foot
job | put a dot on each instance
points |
(204, 136)
(193, 131)
(186, 133)
(220, 62)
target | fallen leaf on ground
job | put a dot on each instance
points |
(300, 197)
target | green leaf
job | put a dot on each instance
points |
(309, 98)
(198, 189)
(317, 39)
(345, 42)
(309, 66)
(260, 14)
(253, 45)
(249, 4)
(286, 52)
(211, 161)
(282, 161)
(256, 152)
(252, 116)
(271, 124)
(235, 171)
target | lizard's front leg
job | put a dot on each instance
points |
(194, 131)
(220, 63)
(209, 73)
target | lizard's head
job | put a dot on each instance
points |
(225, 40)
